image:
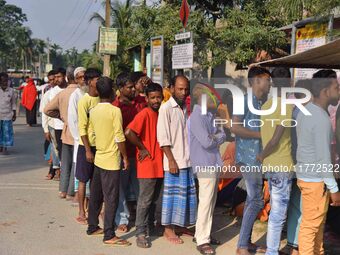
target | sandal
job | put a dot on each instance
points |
(98, 232)
(117, 242)
(213, 241)
(142, 242)
(256, 248)
(174, 240)
(81, 220)
(205, 249)
(123, 228)
(185, 232)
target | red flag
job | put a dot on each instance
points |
(184, 13)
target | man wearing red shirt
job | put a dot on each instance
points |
(142, 133)
(129, 109)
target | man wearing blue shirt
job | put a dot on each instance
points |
(248, 145)
(204, 142)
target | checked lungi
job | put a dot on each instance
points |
(6, 133)
(179, 205)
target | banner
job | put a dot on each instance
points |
(310, 36)
(157, 55)
(108, 40)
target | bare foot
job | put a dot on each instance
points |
(75, 199)
(62, 195)
(294, 252)
(57, 175)
(170, 235)
(81, 220)
(123, 228)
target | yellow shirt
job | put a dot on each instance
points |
(107, 123)
(85, 105)
(281, 159)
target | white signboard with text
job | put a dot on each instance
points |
(183, 56)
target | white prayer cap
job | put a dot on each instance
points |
(78, 70)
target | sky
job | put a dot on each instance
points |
(64, 22)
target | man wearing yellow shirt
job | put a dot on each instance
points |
(86, 149)
(107, 123)
(276, 160)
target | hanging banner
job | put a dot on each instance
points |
(157, 59)
(108, 40)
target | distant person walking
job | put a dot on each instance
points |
(29, 101)
(8, 104)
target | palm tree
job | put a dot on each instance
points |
(25, 45)
(120, 15)
(74, 56)
(56, 55)
(38, 52)
(121, 19)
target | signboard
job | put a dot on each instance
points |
(108, 40)
(310, 36)
(157, 55)
(183, 36)
(48, 67)
(183, 56)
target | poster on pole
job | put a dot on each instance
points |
(157, 59)
(48, 67)
(108, 40)
(183, 56)
(310, 36)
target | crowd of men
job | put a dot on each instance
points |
(112, 142)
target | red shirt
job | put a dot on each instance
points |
(140, 102)
(129, 111)
(145, 126)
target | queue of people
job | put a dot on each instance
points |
(115, 142)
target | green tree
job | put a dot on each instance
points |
(241, 36)
(143, 19)
(56, 56)
(11, 20)
(24, 46)
(293, 10)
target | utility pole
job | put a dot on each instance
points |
(107, 69)
(48, 50)
(142, 48)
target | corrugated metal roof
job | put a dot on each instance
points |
(325, 56)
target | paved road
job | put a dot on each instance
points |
(34, 221)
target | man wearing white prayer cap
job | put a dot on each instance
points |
(79, 76)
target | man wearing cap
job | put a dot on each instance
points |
(79, 188)
(58, 108)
